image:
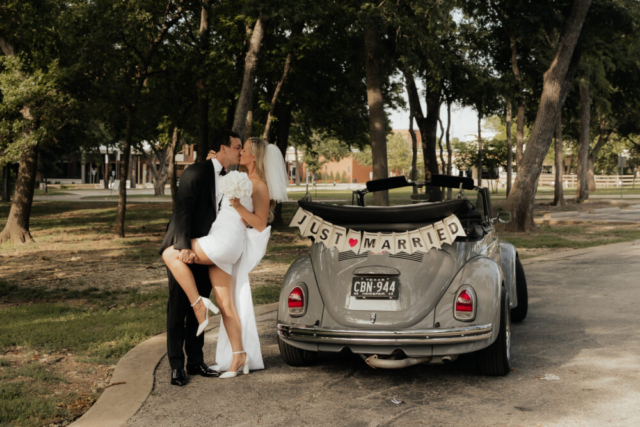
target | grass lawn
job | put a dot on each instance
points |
(51, 192)
(76, 300)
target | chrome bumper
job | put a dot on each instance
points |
(319, 335)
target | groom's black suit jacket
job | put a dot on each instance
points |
(193, 214)
(195, 208)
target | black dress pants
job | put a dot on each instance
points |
(182, 324)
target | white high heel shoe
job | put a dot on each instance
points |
(242, 368)
(204, 324)
(210, 305)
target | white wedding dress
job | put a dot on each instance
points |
(237, 250)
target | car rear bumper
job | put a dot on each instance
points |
(318, 335)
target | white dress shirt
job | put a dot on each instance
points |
(218, 168)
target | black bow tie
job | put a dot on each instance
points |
(223, 172)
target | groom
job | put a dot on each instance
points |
(195, 209)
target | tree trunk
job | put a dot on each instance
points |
(429, 133)
(203, 100)
(284, 125)
(285, 74)
(245, 100)
(520, 135)
(583, 151)
(509, 149)
(449, 150)
(520, 201)
(276, 93)
(414, 151)
(558, 198)
(479, 149)
(444, 165)
(17, 227)
(6, 185)
(297, 177)
(377, 128)
(603, 139)
(124, 169)
(428, 128)
(171, 169)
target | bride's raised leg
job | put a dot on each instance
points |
(223, 290)
(184, 276)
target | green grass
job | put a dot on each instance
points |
(52, 192)
(26, 404)
(266, 294)
(571, 237)
(163, 199)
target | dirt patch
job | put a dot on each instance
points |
(74, 384)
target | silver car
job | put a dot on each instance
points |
(444, 303)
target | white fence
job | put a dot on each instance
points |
(602, 181)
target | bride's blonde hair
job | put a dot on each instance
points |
(258, 149)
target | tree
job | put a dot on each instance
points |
(583, 152)
(244, 107)
(558, 197)
(377, 117)
(33, 104)
(521, 198)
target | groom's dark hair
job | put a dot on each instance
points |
(223, 137)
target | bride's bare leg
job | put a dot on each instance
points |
(223, 289)
(184, 276)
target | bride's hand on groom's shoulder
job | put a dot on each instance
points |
(212, 155)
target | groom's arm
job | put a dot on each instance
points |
(185, 204)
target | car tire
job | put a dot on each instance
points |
(495, 360)
(519, 313)
(294, 356)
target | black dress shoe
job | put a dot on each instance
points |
(202, 370)
(179, 377)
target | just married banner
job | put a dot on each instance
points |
(418, 240)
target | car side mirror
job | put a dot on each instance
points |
(504, 217)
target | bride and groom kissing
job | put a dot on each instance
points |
(213, 241)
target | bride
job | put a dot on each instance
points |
(232, 250)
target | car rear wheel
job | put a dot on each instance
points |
(294, 356)
(519, 313)
(495, 360)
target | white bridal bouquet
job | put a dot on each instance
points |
(236, 185)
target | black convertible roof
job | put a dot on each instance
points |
(392, 218)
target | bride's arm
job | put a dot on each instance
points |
(258, 218)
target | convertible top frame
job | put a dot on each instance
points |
(446, 181)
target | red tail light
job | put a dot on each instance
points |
(296, 301)
(465, 304)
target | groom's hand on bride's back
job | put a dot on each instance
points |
(188, 256)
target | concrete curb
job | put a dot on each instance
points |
(137, 372)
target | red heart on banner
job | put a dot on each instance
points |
(353, 242)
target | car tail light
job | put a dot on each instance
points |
(465, 304)
(296, 301)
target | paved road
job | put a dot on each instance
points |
(583, 327)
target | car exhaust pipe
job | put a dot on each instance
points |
(376, 362)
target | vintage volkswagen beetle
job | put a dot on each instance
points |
(460, 299)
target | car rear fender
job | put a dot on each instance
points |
(301, 274)
(485, 277)
(508, 265)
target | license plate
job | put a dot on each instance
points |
(375, 287)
